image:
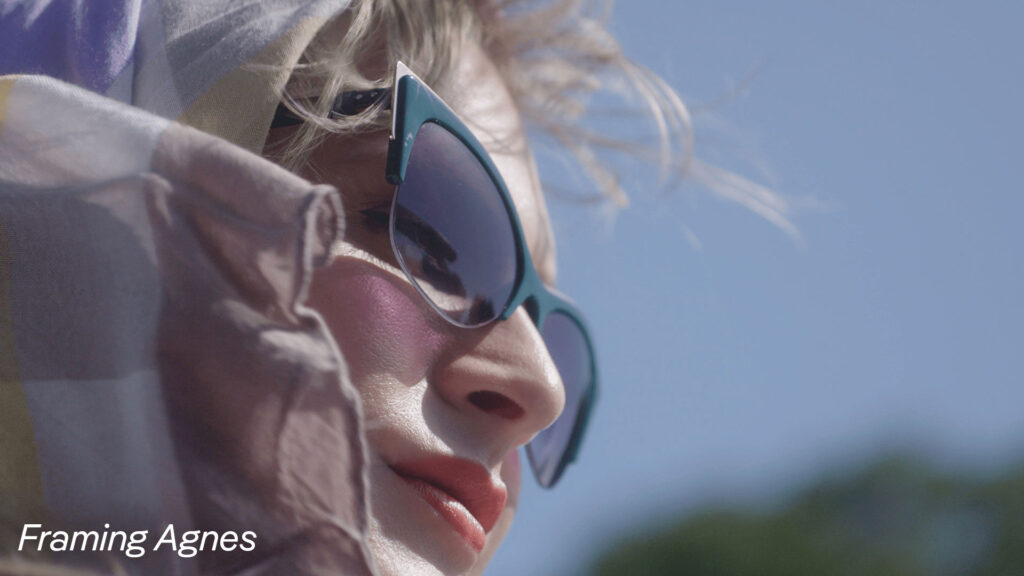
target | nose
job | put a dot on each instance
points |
(502, 382)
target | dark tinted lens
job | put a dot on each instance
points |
(451, 230)
(568, 348)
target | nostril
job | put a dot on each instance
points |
(496, 404)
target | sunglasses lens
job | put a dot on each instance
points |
(572, 355)
(454, 236)
(451, 230)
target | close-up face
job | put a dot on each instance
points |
(444, 407)
(279, 291)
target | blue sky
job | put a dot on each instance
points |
(739, 363)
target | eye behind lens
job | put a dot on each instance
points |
(452, 230)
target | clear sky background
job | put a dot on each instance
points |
(739, 363)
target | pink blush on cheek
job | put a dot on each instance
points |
(378, 321)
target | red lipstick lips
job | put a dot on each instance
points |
(460, 491)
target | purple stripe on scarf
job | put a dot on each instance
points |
(86, 42)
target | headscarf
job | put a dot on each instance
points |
(153, 274)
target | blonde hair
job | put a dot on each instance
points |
(553, 55)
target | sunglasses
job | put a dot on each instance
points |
(457, 237)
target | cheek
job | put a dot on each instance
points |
(378, 321)
(512, 476)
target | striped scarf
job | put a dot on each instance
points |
(153, 272)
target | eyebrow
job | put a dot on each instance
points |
(345, 104)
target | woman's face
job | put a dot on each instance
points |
(444, 408)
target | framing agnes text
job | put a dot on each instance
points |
(134, 544)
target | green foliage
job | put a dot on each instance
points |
(895, 517)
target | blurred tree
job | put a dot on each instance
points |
(897, 516)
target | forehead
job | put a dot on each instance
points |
(476, 92)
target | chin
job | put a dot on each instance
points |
(494, 540)
(396, 558)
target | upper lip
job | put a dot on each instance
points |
(465, 480)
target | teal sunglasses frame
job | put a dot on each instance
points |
(414, 104)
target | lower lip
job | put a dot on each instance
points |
(453, 512)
